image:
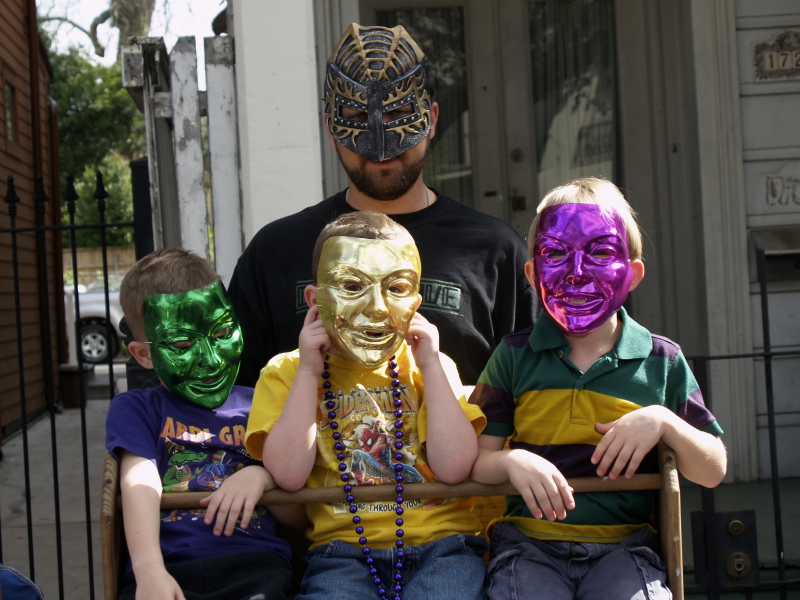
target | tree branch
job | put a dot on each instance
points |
(91, 33)
(98, 20)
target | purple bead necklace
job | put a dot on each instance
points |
(346, 477)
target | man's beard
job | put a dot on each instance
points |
(382, 185)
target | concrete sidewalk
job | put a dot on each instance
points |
(71, 498)
(76, 497)
(75, 549)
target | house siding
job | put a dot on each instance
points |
(17, 159)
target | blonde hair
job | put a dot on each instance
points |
(167, 271)
(592, 190)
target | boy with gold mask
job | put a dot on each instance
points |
(368, 399)
(187, 435)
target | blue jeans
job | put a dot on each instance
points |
(448, 569)
(15, 586)
(524, 567)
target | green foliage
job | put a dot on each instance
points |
(99, 128)
(119, 206)
(96, 115)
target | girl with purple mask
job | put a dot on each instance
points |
(586, 391)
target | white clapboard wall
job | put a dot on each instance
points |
(165, 87)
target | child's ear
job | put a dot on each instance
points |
(141, 352)
(530, 273)
(637, 265)
(419, 301)
(310, 294)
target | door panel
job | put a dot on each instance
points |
(574, 89)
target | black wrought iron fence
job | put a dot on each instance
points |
(725, 544)
(37, 567)
(724, 547)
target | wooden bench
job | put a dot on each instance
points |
(488, 505)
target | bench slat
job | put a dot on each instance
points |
(414, 491)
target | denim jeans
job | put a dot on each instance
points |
(448, 569)
(526, 568)
(15, 586)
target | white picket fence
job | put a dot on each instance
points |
(165, 86)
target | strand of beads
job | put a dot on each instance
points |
(346, 477)
(398, 467)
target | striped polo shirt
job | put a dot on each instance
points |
(531, 392)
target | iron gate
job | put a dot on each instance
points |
(60, 391)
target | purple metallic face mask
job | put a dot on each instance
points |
(582, 268)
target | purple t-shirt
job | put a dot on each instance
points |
(194, 449)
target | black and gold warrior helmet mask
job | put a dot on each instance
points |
(376, 70)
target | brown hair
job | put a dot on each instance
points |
(167, 271)
(592, 190)
(359, 224)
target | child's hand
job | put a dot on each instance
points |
(541, 485)
(423, 338)
(314, 343)
(237, 495)
(157, 584)
(627, 441)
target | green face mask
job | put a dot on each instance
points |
(196, 343)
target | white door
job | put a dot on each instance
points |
(526, 101)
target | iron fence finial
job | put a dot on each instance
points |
(100, 193)
(70, 195)
(11, 197)
(39, 195)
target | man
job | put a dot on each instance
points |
(381, 118)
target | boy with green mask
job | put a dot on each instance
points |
(195, 343)
(188, 435)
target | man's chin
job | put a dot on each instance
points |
(384, 181)
(380, 186)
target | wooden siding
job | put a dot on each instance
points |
(17, 159)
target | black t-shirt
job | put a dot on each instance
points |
(473, 283)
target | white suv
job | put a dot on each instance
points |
(98, 336)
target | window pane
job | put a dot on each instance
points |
(11, 133)
(440, 34)
(574, 83)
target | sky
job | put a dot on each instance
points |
(171, 19)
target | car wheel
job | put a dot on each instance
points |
(96, 343)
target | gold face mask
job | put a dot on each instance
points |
(367, 293)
